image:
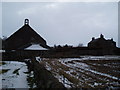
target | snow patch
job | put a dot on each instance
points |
(35, 47)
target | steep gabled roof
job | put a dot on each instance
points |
(24, 37)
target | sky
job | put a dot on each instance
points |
(59, 0)
(63, 22)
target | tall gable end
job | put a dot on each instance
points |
(23, 37)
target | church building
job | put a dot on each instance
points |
(24, 37)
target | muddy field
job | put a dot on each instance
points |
(86, 71)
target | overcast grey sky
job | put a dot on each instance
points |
(63, 23)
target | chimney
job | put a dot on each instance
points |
(93, 38)
(101, 36)
(111, 39)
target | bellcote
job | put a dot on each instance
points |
(26, 22)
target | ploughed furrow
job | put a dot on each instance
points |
(80, 71)
(110, 68)
(87, 77)
(85, 73)
(106, 70)
(64, 71)
(95, 73)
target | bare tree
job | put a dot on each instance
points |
(80, 45)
